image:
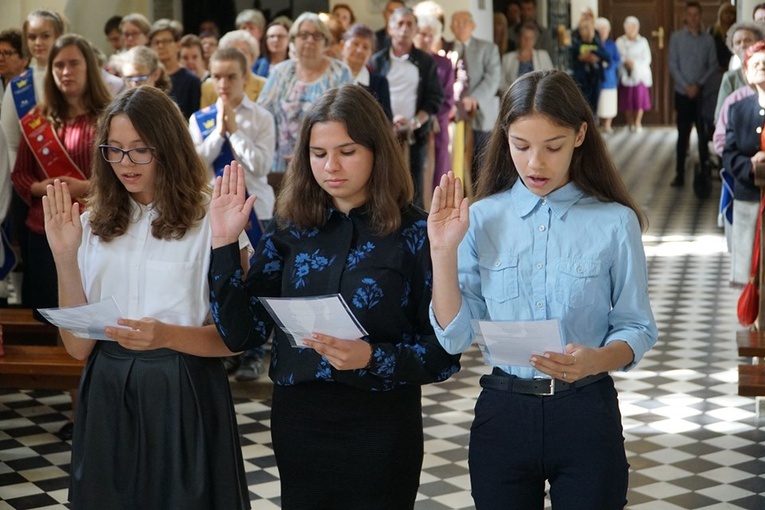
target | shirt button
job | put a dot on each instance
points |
(544, 202)
(762, 112)
(539, 265)
(579, 269)
(497, 263)
(540, 304)
(759, 129)
(542, 228)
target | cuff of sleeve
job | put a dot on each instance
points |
(225, 259)
(457, 335)
(634, 342)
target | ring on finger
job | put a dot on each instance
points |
(564, 376)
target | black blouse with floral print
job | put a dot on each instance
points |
(386, 282)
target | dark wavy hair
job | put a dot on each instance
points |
(390, 189)
(96, 96)
(181, 184)
(555, 95)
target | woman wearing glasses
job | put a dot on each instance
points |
(294, 85)
(141, 66)
(155, 426)
(277, 48)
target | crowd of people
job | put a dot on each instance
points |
(188, 175)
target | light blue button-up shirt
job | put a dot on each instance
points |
(565, 256)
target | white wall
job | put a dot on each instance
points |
(369, 12)
(86, 17)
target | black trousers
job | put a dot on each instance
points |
(40, 284)
(573, 439)
(689, 114)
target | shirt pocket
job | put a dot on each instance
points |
(577, 282)
(173, 291)
(499, 276)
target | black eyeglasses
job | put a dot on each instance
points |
(138, 155)
(8, 53)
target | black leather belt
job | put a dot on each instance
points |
(499, 380)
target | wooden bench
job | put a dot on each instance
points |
(751, 378)
(751, 344)
(29, 355)
(39, 367)
(18, 326)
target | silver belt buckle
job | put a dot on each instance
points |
(552, 386)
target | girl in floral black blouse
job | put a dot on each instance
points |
(346, 415)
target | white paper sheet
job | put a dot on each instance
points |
(328, 315)
(514, 342)
(86, 321)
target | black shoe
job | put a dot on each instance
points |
(678, 181)
(702, 183)
(65, 433)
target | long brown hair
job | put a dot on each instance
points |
(95, 97)
(181, 190)
(555, 95)
(389, 189)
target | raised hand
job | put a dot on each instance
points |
(229, 209)
(448, 220)
(62, 220)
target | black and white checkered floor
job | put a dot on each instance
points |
(691, 441)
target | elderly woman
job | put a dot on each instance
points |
(607, 103)
(525, 59)
(743, 149)
(358, 46)
(634, 74)
(739, 38)
(141, 66)
(589, 60)
(428, 38)
(294, 85)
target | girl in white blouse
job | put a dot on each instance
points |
(155, 427)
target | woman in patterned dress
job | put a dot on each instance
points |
(294, 85)
(346, 416)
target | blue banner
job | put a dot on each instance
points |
(23, 92)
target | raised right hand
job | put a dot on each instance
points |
(62, 220)
(448, 220)
(229, 211)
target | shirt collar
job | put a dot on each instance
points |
(559, 201)
(363, 77)
(402, 58)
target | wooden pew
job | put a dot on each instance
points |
(39, 367)
(29, 355)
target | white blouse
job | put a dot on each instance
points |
(640, 53)
(149, 277)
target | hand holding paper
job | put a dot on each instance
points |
(86, 321)
(515, 342)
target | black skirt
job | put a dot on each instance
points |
(341, 447)
(155, 430)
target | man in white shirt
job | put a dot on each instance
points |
(415, 90)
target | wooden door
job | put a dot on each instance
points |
(656, 24)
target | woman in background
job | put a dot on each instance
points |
(635, 76)
(294, 85)
(607, 102)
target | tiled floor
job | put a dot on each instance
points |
(692, 442)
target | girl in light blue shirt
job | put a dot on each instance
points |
(554, 234)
